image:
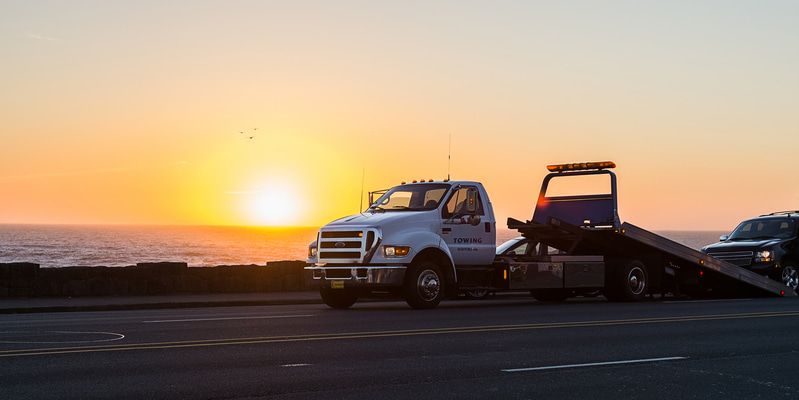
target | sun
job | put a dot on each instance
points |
(277, 207)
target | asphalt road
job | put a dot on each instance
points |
(513, 348)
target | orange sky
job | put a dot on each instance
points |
(131, 112)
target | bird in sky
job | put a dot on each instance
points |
(248, 136)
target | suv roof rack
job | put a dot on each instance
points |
(782, 213)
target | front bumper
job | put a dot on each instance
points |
(356, 275)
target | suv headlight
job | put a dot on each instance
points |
(396, 251)
(764, 256)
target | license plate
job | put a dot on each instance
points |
(337, 284)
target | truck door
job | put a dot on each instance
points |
(465, 228)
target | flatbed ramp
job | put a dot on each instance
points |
(630, 241)
(705, 261)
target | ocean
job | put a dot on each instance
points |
(124, 245)
(54, 246)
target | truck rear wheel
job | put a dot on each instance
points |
(337, 298)
(424, 285)
(632, 282)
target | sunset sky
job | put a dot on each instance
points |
(140, 112)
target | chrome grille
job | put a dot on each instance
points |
(346, 246)
(739, 258)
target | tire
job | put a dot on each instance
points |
(631, 283)
(476, 294)
(338, 298)
(424, 285)
(790, 275)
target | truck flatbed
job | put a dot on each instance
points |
(706, 263)
(686, 265)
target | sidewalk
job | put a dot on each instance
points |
(65, 304)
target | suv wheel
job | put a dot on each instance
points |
(790, 275)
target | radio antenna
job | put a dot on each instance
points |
(363, 177)
(449, 156)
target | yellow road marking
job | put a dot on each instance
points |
(379, 334)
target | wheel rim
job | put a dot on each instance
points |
(636, 278)
(477, 293)
(428, 285)
(790, 277)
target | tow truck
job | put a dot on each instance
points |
(427, 240)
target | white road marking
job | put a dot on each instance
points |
(226, 319)
(703, 301)
(595, 364)
(49, 337)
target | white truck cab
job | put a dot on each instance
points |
(408, 243)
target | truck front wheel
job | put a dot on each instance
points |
(337, 298)
(424, 285)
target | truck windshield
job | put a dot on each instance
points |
(764, 229)
(413, 197)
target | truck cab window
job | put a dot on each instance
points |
(456, 205)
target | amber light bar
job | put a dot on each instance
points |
(581, 166)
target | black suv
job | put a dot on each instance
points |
(767, 245)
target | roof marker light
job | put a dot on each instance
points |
(581, 166)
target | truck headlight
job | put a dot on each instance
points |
(396, 251)
(764, 256)
(312, 251)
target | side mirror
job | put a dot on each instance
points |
(471, 201)
(723, 238)
(474, 220)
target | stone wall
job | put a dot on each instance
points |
(28, 280)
